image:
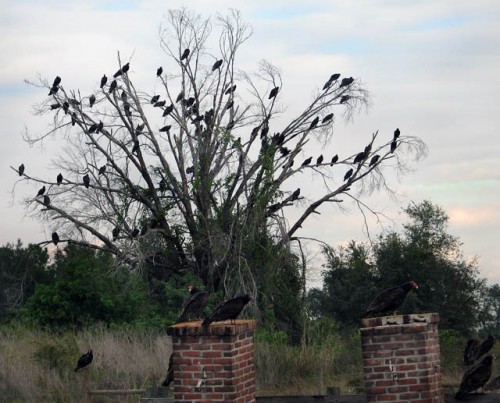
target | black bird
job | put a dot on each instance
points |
(115, 232)
(397, 133)
(168, 110)
(344, 98)
(73, 119)
(55, 238)
(139, 129)
(135, 148)
(295, 195)
(170, 372)
(59, 178)
(217, 64)
(104, 80)
(112, 86)
(314, 123)
(166, 128)
(394, 145)
(335, 158)
(229, 104)
(475, 377)
(57, 81)
(55, 106)
(194, 305)
(102, 170)
(92, 100)
(185, 54)
(41, 191)
(327, 118)
(319, 160)
(53, 90)
(180, 97)
(20, 170)
(190, 170)
(84, 360)
(93, 127)
(230, 90)
(227, 310)
(264, 131)
(307, 161)
(486, 346)
(346, 81)
(135, 233)
(274, 92)
(159, 104)
(86, 180)
(100, 125)
(126, 68)
(118, 73)
(359, 158)
(333, 77)
(348, 174)
(280, 138)
(374, 160)
(66, 107)
(189, 102)
(470, 351)
(154, 99)
(389, 300)
(46, 200)
(159, 71)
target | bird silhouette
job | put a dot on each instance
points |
(230, 90)
(227, 310)
(159, 71)
(55, 106)
(180, 97)
(86, 180)
(55, 238)
(295, 195)
(57, 81)
(93, 128)
(53, 90)
(475, 377)
(335, 158)
(99, 127)
(344, 99)
(397, 133)
(185, 54)
(73, 119)
(388, 301)
(126, 68)
(194, 305)
(166, 129)
(314, 123)
(59, 178)
(307, 161)
(115, 232)
(189, 102)
(84, 360)
(159, 104)
(346, 81)
(394, 145)
(46, 200)
(41, 191)
(168, 110)
(102, 170)
(274, 92)
(104, 80)
(348, 174)
(359, 158)
(154, 99)
(327, 118)
(135, 148)
(92, 100)
(217, 64)
(20, 170)
(112, 86)
(374, 160)
(319, 160)
(333, 77)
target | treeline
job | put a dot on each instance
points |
(78, 287)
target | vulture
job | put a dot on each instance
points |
(333, 77)
(159, 71)
(475, 377)
(470, 351)
(154, 99)
(227, 310)
(185, 54)
(21, 170)
(295, 195)
(327, 118)
(104, 80)
(57, 81)
(348, 174)
(112, 86)
(485, 346)
(93, 128)
(314, 123)
(41, 191)
(389, 300)
(46, 200)
(397, 133)
(55, 238)
(53, 90)
(92, 100)
(360, 157)
(374, 160)
(194, 305)
(102, 170)
(307, 161)
(217, 64)
(59, 178)
(86, 180)
(274, 92)
(346, 81)
(124, 69)
(115, 232)
(170, 372)
(319, 160)
(84, 360)
(394, 145)
(335, 158)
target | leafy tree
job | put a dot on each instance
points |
(424, 252)
(490, 317)
(200, 174)
(21, 269)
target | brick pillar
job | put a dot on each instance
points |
(214, 364)
(401, 358)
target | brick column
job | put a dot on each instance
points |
(401, 358)
(214, 364)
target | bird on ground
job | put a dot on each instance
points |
(359, 158)
(335, 158)
(470, 351)
(397, 133)
(102, 170)
(194, 305)
(86, 180)
(348, 174)
(41, 191)
(20, 170)
(92, 100)
(475, 377)
(104, 80)
(185, 54)
(154, 99)
(170, 372)
(228, 310)
(307, 161)
(57, 81)
(274, 92)
(374, 160)
(394, 145)
(159, 71)
(55, 238)
(115, 232)
(295, 195)
(314, 123)
(46, 200)
(84, 360)
(486, 346)
(112, 86)
(327, 118)
(319, 160)
(59, 178)
(217, 64)
(390, 300)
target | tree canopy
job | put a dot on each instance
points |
(199, 175)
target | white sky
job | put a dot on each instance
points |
(432, 68)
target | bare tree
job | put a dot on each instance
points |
(197, 176)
